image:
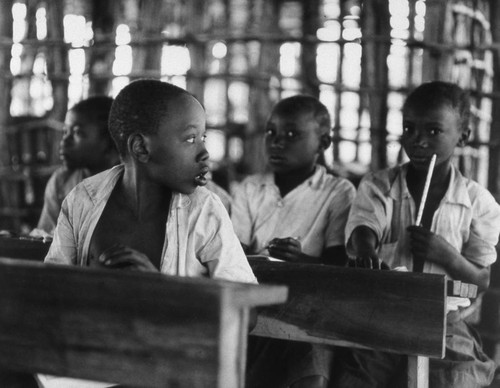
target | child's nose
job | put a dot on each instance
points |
(203, 153)
(421, 138)
(278, 141)
(65, 140)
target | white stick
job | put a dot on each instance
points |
(426, 190)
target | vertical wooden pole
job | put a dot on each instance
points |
(310, 24)
(418, 372)
(437, 63)
(101, 58)
(5, 80)
(194, 26)
(147, 57)
(260, 102)
(28, 56)
(57, 59)
(494, 155)
(374, 75)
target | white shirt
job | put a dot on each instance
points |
(468, 217)
(199, 238)
(315, 212)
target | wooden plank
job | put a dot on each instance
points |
(460, 289)
(26, 248)
(132, 328)
(400, 312)
(418, 372)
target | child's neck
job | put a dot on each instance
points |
(415, 180)
(143, 198)
(288, 181)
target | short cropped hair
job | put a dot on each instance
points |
(432, 94)
(96, 109)
(139, 108)
(300, 104)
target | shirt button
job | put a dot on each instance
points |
(280, 203)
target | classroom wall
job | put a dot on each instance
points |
(239, 57)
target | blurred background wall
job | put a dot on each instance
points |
(239, 57)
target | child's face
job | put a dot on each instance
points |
(82, 145)
(292, 143)
(178, 158)
(431, 131)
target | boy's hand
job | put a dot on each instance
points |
(288, 249)
(369, 260)
(123, 257)
(426, 245)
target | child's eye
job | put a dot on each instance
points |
(291, 134)
(434, 131)
(270, 132)
(191, 139)
(407, 129)
(203, 138)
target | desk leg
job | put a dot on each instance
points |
(418, 372)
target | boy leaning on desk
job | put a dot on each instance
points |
(459, 229)
(150, 213)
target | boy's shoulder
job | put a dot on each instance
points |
(98, 186)
(327, 180)
(201, 197)
(254, 183)
(385, 179)
(477, 193)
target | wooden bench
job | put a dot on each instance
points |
(138, 329)
(26, 248)
(399, 312)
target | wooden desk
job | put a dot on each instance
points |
(400, 312)
(25, 248)
(139, 329)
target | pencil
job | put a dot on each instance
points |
(426, 190)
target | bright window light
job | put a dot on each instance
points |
(76, 60)
(19, 22)
(122, 35)
(122, 65)
(75, 30)
(175, 60)
(41, 23)
(327, 59)
(219, 50)
(289, 54)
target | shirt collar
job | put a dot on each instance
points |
(315, 181)
(456, 193)
(101, 185)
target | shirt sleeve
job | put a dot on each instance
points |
(484, 232)
(63, 249)
(240, 214)
(222, 251)
(51, 206)
(368, 209)
(339, 207)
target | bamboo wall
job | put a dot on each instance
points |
(239, 57)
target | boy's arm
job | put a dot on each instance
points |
(240, 216)
(363, 244)
(63, 249)
(426, 245)
(51, 207)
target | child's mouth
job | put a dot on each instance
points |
(276, 159)
(201, 178)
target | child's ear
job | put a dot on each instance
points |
(324, 141)
(138, 148)
(464, 137)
